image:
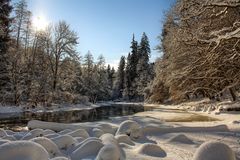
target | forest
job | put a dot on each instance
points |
(44, 67)
(200, 58)
(57, 103)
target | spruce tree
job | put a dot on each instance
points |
(5, 10)
(110, 73)
(130, 91)
(120, 79)
(143, 66)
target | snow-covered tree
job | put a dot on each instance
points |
(5, 20)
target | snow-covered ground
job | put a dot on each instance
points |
(164, 132)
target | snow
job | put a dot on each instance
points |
(150, 135)
(131, 128)
(151, 150)
(64, 141)
(49, 145)
(88, 149)
(79, 133)
(124, 139)
(181, 138)
(97, 132)
(214, 151)
(23, 150)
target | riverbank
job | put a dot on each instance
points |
(20, 115)
(160, 132)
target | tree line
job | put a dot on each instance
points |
(44, 67)
(134, 72)
(200, 43)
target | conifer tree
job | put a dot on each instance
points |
(5, 10)
(143, 66)
(120, 79)
(130, 91)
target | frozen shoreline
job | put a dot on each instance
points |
(161, 137)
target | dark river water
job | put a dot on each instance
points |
(103, 112)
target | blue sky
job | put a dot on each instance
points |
(106, 26)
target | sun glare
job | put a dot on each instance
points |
(39, 23)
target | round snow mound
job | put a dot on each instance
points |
(124, 139)
(214, 151)
(49, 145)
(97, 132)
(109, 152)
(181, 138)
(59, 158)
(79, 133)
(151, 150)
(130, 128)
(64, 141)
(88, 149)
(23, 150)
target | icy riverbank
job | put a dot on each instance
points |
(149, 135)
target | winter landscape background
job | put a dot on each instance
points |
(116, 80)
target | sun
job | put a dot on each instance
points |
(39, 23)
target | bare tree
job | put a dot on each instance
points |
(64, 43)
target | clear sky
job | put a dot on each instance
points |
(106, 26)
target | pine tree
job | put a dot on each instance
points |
(5, 10)
(110, 73)
(102, 86)
(143, 66)
(130, 91)
(120, 79)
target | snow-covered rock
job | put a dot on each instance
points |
(214, 151)
(65, 131)
(49, 145)
(52, 135)
(181, 138)
(9, 132)
(87, 150)
(59, 158)
(124, 139)
(48, 131)
(19, 135)
(10, 138)
(78, 145)
(109, 152)
(79, 133)
(96, 132)
(23, 150)
(2, 133)
(130, 128)
(107, 128)
(109, 139)
(79, 139)
(151, 150)
(2, 141)
(33, 134)
(64, 141)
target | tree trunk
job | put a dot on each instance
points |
(232, 92)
